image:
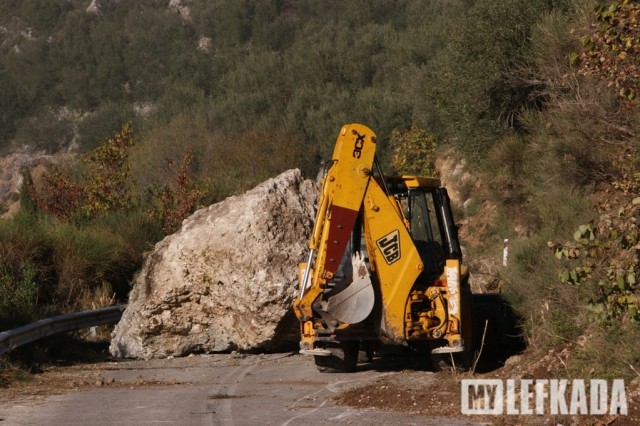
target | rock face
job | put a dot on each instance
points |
(11, 178)
(226, 280)
(11, 181)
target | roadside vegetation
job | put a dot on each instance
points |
(168, 109)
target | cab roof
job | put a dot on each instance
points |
(414, 182)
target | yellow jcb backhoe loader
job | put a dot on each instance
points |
(384, 265)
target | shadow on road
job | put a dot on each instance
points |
(496, 337)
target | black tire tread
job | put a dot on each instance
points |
(343, 358)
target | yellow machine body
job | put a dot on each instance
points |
(383, 254)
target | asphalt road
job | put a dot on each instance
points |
(223, 389)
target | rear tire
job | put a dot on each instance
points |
(343, 358)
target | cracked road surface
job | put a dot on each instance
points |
(221, 389)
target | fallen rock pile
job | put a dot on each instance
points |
(226, 279)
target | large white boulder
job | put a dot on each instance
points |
(226, 279)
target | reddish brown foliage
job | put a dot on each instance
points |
(612, 48)
(177, 199)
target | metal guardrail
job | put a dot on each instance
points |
(12, 339)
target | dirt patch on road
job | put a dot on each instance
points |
(16, 384)
(415, 392)
(68, 365)
(438, 394)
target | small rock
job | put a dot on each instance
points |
(513, 360)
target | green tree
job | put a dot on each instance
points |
(228, 22)
(75, 63)
(43, 15)
(10, 107)
(160, 50)
(96, 127)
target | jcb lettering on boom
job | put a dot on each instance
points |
(390, 246)
(357, 150)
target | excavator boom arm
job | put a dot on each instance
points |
(343, 190)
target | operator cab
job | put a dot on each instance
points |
(427, 212)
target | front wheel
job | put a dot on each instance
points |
(343, 358)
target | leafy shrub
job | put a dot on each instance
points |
(609, 355)
(25, 247)
(18, 295)
(232, 164)
(610, 49)
(472, 80)
(107, 185)
(59, 195)
(48, 267)
(413, 152)
(168, 143)
(103, 185)
(84, 260)
(176, 199)
(138, 233)
(603, 259)
(508, 162)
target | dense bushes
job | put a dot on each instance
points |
(447, 68)
(572, 149)
(23, 246)
(78, 239)
(221, 164)
(87, 190)
(49, 267)
(473, 81)
(611, 47)
(239, 64)
(603, 257)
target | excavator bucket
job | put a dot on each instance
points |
(355, 302)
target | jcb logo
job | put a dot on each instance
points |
(389, 246)
(357, 149)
